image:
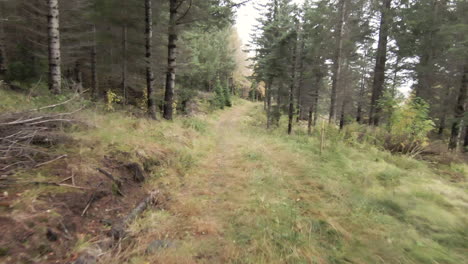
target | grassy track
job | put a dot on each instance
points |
(251, 196)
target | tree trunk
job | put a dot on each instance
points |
(55, 77)
(300, 81)
(148, 60)
(381, 58)
(425, 68)
(171, 61)
(268, 86)
(3, 63)
(292, 86)
(459, 110)
(94, 76)
(78, 77)
(124, 63)
(316, 94)
(362, 90)
(344, 99)
(309, 121)
(443, 117)
(337, 60)
(465, 141)
(360, 97)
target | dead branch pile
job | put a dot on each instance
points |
(26, 136)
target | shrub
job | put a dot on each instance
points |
(219, 100)
(406, 130)
(408, 127)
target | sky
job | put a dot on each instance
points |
(246, 18)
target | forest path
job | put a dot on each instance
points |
(238, 198)
(239, 174)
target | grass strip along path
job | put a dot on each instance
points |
(256, 196)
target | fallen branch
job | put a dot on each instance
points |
(91, 200)
(50, 161)
(116, 181)
(53, 184)
(118, 231)
(112, 178)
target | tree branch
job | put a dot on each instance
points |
(185, 13)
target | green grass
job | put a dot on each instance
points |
(385, 204)
(242, 194)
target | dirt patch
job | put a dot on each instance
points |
(52, 226)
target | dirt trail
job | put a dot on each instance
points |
(222, 188)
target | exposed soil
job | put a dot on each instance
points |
(47, 228)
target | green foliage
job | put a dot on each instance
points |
(412, 119)
(406, 130)
(409, 126)
(25, 67)
(111, 99)
(222, 97)
(227, 96)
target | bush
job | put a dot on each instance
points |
(409, 126)
(406, 130)
(222, 97)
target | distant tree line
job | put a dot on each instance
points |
(159, 51)
(347, 60)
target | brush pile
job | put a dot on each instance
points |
(26, 137)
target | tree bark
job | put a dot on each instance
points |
(171, 61)
(465, 141)
(3, 62)
(337, 60)
(381, 58)
(78, 76)
(345, 99)
(124, 63)
(360, 97)
(94, 76)
(300, 81)
(316, 94)
(268, 86)
(292, 86)
(443, 117)
(459, 110)
(148, 60)
(55, 77)
(309, 121)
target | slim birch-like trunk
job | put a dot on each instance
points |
(55, 77)
(337, 60)
(171, 62)
(149, 70)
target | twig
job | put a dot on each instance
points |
(50, 161)
(112, 178)
(66, 179)
(76, 187)
(91, 199)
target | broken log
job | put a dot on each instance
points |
(137, 172)
(118, 231)
(117, 183)
(92, 254)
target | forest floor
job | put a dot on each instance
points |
(254, 196)
(237, 193)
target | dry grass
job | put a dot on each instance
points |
(256, 197)
(240, 194)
